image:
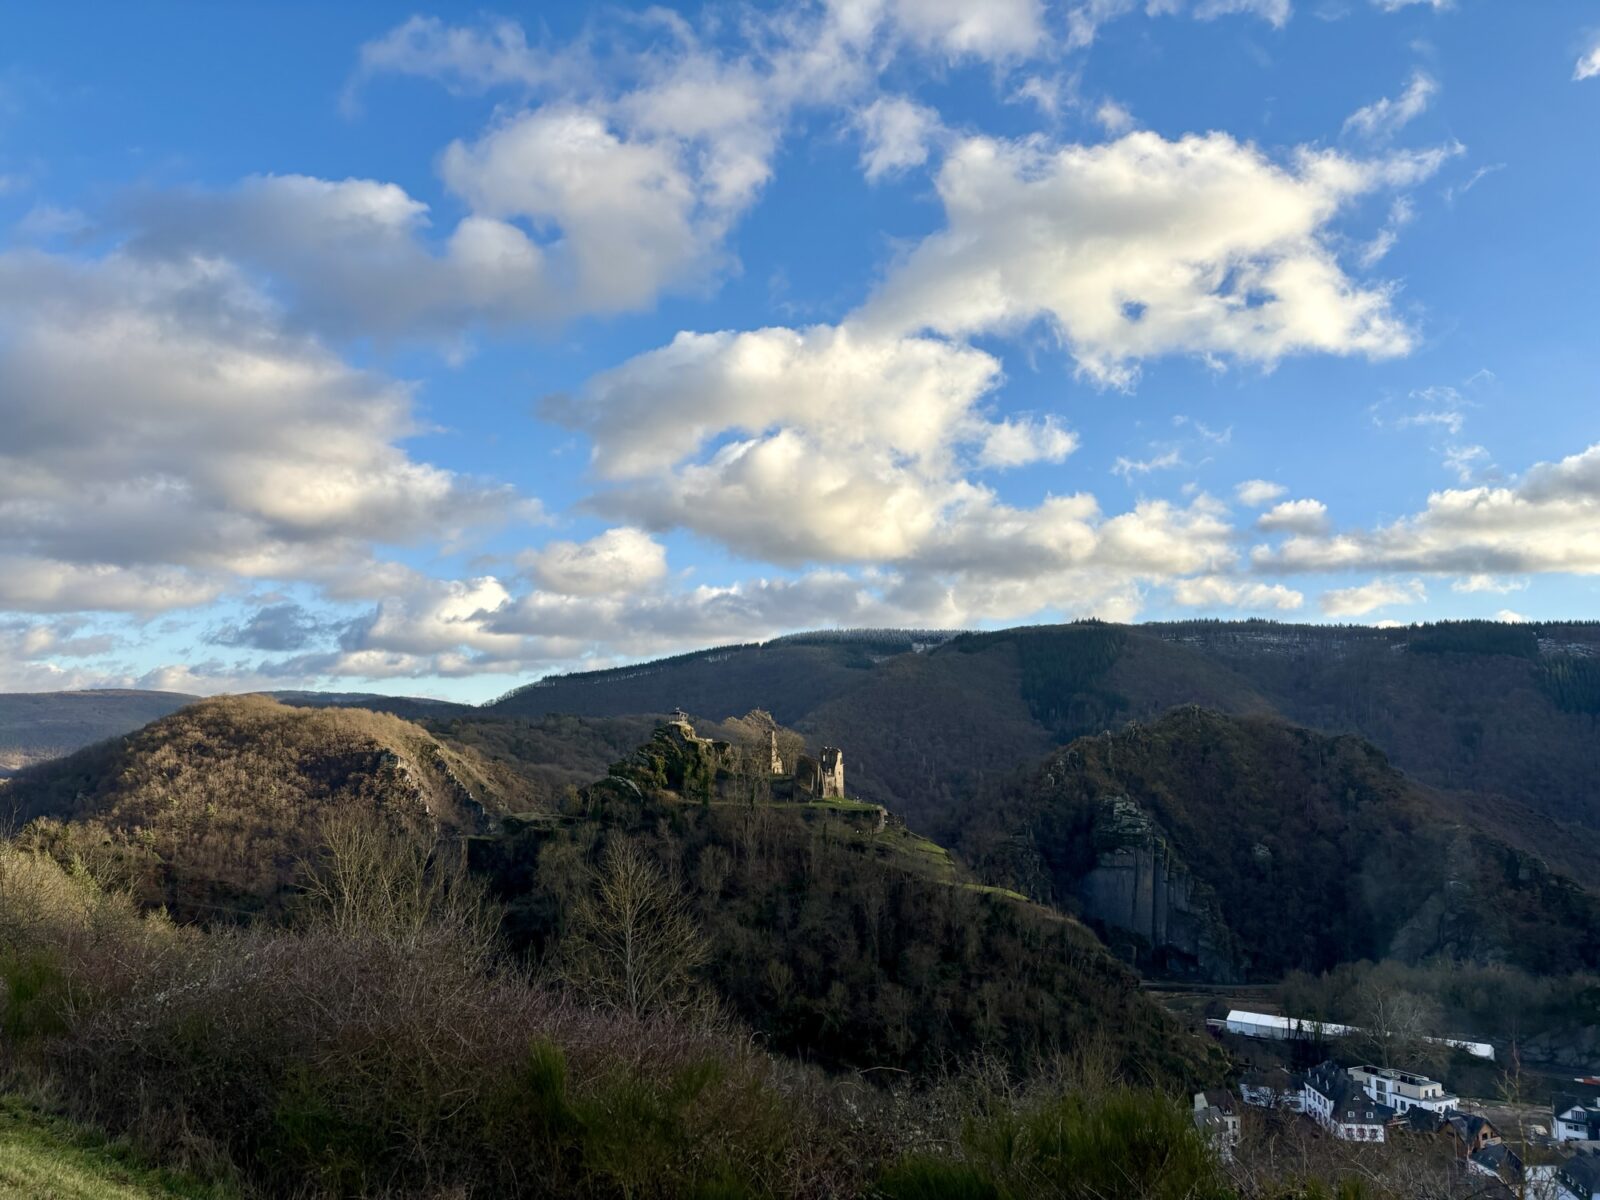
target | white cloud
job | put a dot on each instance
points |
(895, 135)
(1589, 64)
(1511, 616)
(463, 58)
(1466, 461)
(1401, 213)
(1548, 522)
(1397, 5)
(1129, 467)
(1489, 583)
(995, 29)
(1295, 516)
(618, 560)
(1085, 17)
(1018, 442)
(166, 435)
(1259, 492)
(1383, 118)
(1114, 118)
(1211, 591)
(1380, 593)
(1144, 247)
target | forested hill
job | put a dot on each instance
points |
(35, 726)
(1510, 710)
(1230, 846)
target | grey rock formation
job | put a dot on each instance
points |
(1149, 902)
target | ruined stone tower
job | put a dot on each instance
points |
(776, 759)
(831, 770)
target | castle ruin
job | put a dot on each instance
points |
(823, 777)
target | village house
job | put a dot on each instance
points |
(1276, 1088)
(1471, 1132)
(1402, 1090)
(1498, 1161)
(1580, 1176)
(1575, 1120)
(1216, 1116)
(1337, 1102)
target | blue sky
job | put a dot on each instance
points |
(429, 351)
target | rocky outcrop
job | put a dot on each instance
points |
(1153, 910)
(677, 759)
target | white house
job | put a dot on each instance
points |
(1402, 1090)
(1575, 1120)
(1216, 1116)
(1337, 1102)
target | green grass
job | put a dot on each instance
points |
(43, 1158)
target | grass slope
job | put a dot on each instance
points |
(43, 1158)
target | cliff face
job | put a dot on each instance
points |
(1154, 912)
(1209, 846)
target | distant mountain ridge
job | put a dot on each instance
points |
(36, 726)
(929, 717)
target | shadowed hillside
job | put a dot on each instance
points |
(35, 726)
(1213, 845)
(1475, 706)
(838, 933)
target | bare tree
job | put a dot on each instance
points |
(375, 880)
(633, 942)
(1396, 1025)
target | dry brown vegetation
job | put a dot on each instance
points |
(212, 808)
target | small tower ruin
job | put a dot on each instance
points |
(831, 770)
(775, 759)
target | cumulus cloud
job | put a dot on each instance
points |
(1144, 247)
(997, 29)
(1397, 5)
(167, 435)
(1548, 522)
(1511, 616)
(1258, 493)
(1489, 583)
(1385, 117)
(1588, 64)
(895, 133)
(618, 560)
(1295, 516)
(1018, 442)
(1212, 591)
(1368, 597)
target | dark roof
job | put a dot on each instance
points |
(1423, 1120)
(1500, 1159)
(1221, 1098)
(1351, 1105)
(1583, 1170)
(1468, 1125)
(1277, 1078)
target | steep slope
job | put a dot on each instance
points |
(35, 726)
(212, 807)
(1221, 846)
(834, 930)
